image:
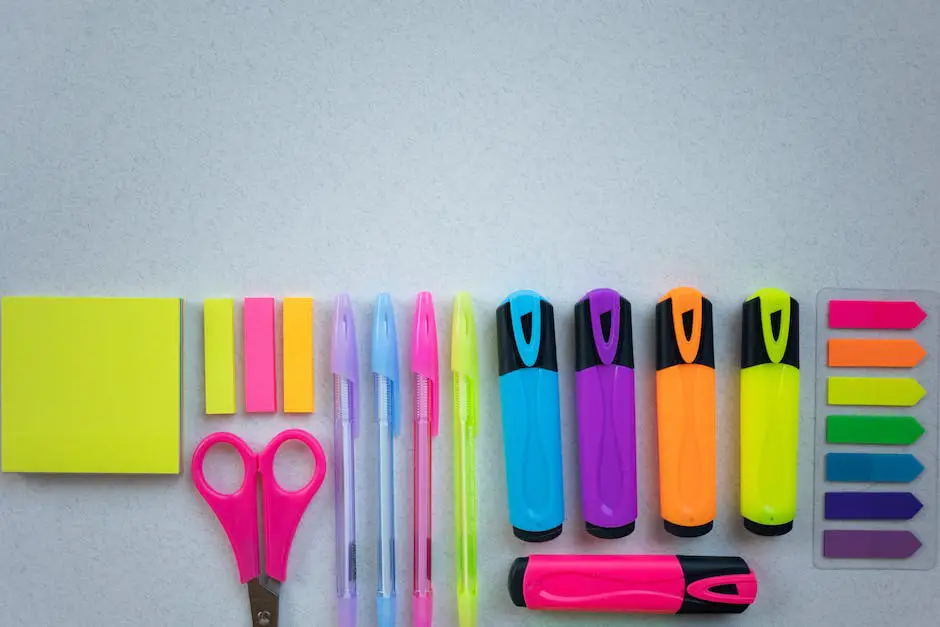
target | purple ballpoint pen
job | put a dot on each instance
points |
(606, 413)
(345, 365)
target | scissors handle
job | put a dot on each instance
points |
(283, 509)
(238, 511)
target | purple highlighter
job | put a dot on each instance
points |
(606, 413)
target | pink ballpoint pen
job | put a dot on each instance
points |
(425, 368)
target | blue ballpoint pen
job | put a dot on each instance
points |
(385, 379)
(345, 365)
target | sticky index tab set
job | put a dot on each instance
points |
(876, 432)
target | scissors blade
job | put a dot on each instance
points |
(263, 599)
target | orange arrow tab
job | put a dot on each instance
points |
(872, 353)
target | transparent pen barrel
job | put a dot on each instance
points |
(465, 485)
(422, 485)
(344, 482)
(384, 404)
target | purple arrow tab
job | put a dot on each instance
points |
(871, 505)
(869, 544)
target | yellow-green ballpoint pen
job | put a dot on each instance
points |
(465, 366)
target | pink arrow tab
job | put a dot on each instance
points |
(875, 314)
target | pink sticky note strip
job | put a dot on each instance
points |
(874, 314)
(260, 368)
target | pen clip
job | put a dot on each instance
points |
(687, 321)
(385, 354)
(733, 589)
(424, 353)
(605, 307)
(775, 313)
(344, 358)
(464, 359)
(525, 309)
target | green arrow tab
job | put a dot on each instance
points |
(888, 430)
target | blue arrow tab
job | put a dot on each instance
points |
(872, 467)
(871, 505)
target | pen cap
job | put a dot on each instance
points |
(525, 333)
(464, 359)
(684, 329)
(603, 330)
(770, 329)
(385, 351)
(344, 357)
(424, 351)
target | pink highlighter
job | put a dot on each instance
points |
(651, 584)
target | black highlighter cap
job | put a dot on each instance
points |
(509, 358)
(610, 533)
(681, 531)
(667, 345)
(753, 347)
(537, 536)
(516, 580)
(769, 531)
(586, 353)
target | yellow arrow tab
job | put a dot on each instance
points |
(877, 391)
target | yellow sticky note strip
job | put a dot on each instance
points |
(875, 391)
(91, 385)
(298, 355)
(219, 329)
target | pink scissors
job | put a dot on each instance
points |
(238, 513)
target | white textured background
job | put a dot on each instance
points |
(200, 148)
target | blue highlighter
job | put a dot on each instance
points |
(528, 394)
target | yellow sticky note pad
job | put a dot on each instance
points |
(91, 385)
(219, 342)
(298, 355)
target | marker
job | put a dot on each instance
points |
(388, 423)
(770, 411)
(869, 544)
(875, 391)
(872, 467)
(886, 430)
(871, 505)
(875, 314)
(652, 584)
(606, 413)
(464, 363)
(685, 408)
(528, 394)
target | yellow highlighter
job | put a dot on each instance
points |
(770, 407)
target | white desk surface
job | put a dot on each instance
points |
(204, 149)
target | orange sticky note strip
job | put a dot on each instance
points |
(298, 355)
(874, 353)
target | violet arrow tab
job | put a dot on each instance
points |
(871, 506)
(875, 314)
(869, 544)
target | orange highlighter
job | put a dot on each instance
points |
(685, 408)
